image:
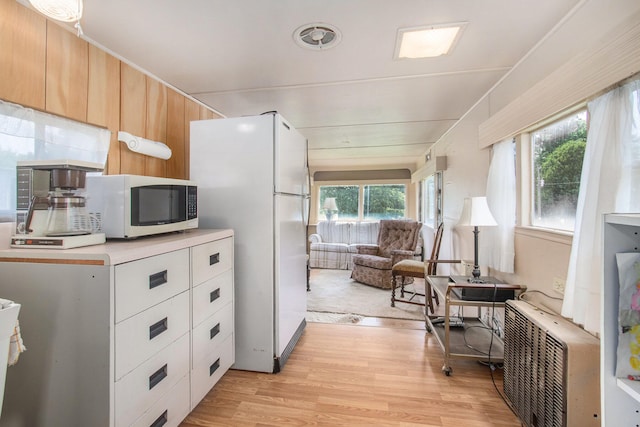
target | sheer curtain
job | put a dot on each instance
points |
(33, 135)
(609, 183)
(498, 242)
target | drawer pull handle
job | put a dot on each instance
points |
(157, 279)
(157, 376)
(214, 295)
(214, 331)
(214, 367)
(162, 420)
(214, 259)
(158, 328)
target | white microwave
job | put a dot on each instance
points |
(129, 206)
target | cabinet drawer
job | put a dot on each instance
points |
(140, 389)
(207, 373)
(146, 282)
(210, 296)
(170, 410)
(211, 259)
(210, 333)
(143, 335)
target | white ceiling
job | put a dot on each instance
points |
(357, 105)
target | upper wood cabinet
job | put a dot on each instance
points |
(23, 35)
(156, 124)
(103, 106)
(176, 165)
(191, 112)
(67, 73)
(133, 114)
(45, 66)
(206, 114)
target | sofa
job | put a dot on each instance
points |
(334, 242)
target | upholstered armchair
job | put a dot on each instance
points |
(397, 240)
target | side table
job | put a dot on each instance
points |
(466, 337)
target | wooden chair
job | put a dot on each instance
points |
(419, 269)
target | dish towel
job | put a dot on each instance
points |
(16, 345)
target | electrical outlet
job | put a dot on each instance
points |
(558, 285)
(468, 267)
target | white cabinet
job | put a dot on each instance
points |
(121, 334)
(212, 336)
(620, 397)
(136, 392)
(143, 283)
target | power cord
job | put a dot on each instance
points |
(524, 294)
(492, 366)
(523, 297)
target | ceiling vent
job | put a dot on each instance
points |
(317, 36)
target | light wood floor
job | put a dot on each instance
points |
(384, 374)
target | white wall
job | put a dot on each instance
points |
(540, 257)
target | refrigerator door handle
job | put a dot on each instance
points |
(304, 210)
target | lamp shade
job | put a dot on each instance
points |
(61, 10)
(330, 204)
(476, 213)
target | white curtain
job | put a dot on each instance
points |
(609, 183)
(27, 134)
(498, 242)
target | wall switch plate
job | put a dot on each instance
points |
(558, 285)
(467, 266)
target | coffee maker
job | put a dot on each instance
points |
(50, 211)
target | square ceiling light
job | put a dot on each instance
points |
(428, 41)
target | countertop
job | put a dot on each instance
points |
(118, 251)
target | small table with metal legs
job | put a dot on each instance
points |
(466, 337)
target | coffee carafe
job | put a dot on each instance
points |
(56, 214)
(67, 213)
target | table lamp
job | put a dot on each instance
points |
(476, 213)
(330, 207)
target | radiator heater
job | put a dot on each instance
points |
(551, 369)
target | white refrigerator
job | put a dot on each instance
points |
(252, 177)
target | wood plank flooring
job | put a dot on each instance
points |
(385, 374)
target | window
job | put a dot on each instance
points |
(557, 154)
(26, 134)
(432, 200)
(383, 202)
(346, 200)
(369, 202)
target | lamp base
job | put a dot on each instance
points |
(476, 269)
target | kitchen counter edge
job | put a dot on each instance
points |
(115, 252)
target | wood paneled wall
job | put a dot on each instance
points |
(46, 67)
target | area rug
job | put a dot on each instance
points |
(320, 317)
(333, 291)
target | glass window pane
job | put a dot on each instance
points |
(346, 197)
(558, 151)
(384, 201)
(430, 201)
